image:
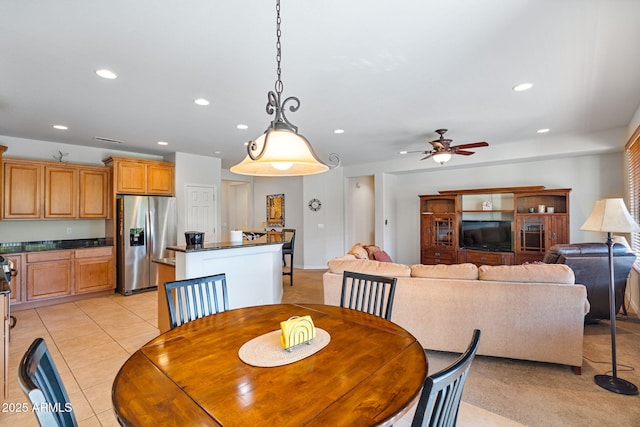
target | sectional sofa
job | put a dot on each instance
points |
(530, 312)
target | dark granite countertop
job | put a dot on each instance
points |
(220, 245)
(53, 245)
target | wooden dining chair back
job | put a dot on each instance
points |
(289, 238)
(191, 299)
(441, 394)
(40, 380)
(370, 293)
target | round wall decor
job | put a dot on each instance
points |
(314, 204)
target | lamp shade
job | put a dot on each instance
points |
(610, 215)
(280, 152)
(442, 157)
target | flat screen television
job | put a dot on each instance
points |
(492, 236)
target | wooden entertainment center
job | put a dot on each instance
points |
(493, 226)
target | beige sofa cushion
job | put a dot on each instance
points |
(441, 271)
(340, 265)
(528, 273)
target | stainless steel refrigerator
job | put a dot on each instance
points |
(146, 226)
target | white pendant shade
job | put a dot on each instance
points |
(286, 153)
(610, 215)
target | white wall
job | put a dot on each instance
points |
(360, 210)
(324, 231)
(291, 187)
(195, 170)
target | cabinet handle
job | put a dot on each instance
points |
(437, 261)
(437, 254)
(483, 259)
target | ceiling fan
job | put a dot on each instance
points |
(443, 150)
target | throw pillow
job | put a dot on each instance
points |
(371, 250)
(382, 256)
(358, 251)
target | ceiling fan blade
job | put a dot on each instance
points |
(418, 151)
(463, 152)
(427, 156)
(472, 145)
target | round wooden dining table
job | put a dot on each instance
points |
(370, 373)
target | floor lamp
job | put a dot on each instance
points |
(612, 216)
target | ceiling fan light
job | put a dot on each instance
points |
(441, 158)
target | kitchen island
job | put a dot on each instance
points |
(253, 270)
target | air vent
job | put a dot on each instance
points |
(99, 138)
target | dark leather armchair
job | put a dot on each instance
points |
(590, 264)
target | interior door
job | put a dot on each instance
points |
(202, 211)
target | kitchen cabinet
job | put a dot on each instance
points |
(61, 192)
(4, 337)
(22, 189)
(94, 192)
(48, 274)
(54, 190)
(16, 278)
(137, 176)
(93, 269)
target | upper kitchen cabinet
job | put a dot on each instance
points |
(61, 192)
(94, 192)
(53, 190)
(135, 176)
(22, 189)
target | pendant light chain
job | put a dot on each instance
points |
(279, 85)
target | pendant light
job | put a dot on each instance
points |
(281, 150)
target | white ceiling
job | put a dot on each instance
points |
(388, 72)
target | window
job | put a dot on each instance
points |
(632, 150)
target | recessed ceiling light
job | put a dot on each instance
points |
(242, 126)
(163, 143)
(106, 74)
(545, 130)
(522, 86)
(216, 152)
(246, 143)
(338, 131)
(60, 127)
(201, 101)
(402, 152)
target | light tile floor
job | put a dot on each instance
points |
(89, 341)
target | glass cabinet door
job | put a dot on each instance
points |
(443, 230)
(531, 234)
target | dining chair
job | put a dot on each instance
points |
(40, 380)
(191, 299)
(367, 292)
(440, 397)
(289, 238)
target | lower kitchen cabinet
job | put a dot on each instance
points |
(48, 274)
(52, 277)
(93, 269)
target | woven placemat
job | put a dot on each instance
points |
(266, 351)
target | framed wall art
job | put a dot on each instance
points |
(275, 210)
